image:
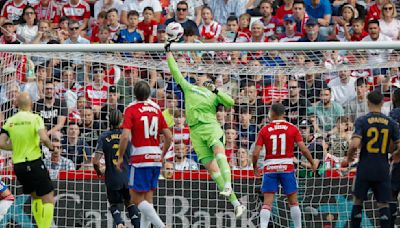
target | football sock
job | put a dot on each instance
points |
(265, 214)
(225, 169)
(148, 210)
(356, 216)
(217, 177)
(393, 212)
(47, 215)
(116, 214)
(144, 222)
(134, 215)
(384, 219)
(295, 213)
(37, 208)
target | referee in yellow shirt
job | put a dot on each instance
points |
(26, 130)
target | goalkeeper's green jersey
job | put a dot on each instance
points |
(200, 103)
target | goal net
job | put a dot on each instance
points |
(323, 92)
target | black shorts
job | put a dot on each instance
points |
(118, 196)
(381, 189)
(34, 177)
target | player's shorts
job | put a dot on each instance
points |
(118, 196)
(34, 177)
(395, 177)
(271, 181)
(203, 138)
(143, 179)
(3, 186)
(381, 189)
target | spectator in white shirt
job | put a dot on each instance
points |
(374, 34)
(210, 30)
(139, 6)
(224, 8)
(343, 87)
(74, 37)
(28, 29)
(106, 5)
(194, 9)
(390, 26)
(182, 162)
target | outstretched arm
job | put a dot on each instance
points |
(176, 74)
(225, 99)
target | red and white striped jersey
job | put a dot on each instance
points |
(294, 38)
(270, 28)
(210, 31)
(145, 120)
(272, 93)
(182, 135)
(279, 138)
(77, 12)
(13, 11)
(48, 13)
(60, 90)
(96, 96)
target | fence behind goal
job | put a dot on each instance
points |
(254, 75)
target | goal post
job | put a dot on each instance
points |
(254, 74)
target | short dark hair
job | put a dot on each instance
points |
(112, 10)
(278, 109)
(373, 21)
(396, 98)
(244, 110)
(265, 1)
(189, 31)
(148, 8)
(358, 20)
(299, 2)
(375, 97)
(114, 118)
(133, 13)
(183, 3)
(232, 18)
(142, 91)
(361, 81)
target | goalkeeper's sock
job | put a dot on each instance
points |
(295, 214)
(47, 214)
(356, 216)
(134, 215)
(385, 217)
(393, 212)
(116, 214)
(219, 180)
(225, 169)
(233, 200)
(148, 210)
(265, 214)
(37, 208)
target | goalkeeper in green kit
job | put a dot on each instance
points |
(206, 134)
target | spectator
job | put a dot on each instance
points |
(357, 32)
(53, 111)
(231, 134)
(180, 129)
(148, 25)
(343, 87)
(270, 23)
(243, 162)
(112, 104)
(307, 130)
(326, 110)
(47, 10)
(358, 106)
(296, 105)
(101, 21)
(96, 92)
(209, 30)
(106, 5)
(12, 10)
(27, 29)
(312, 32)
(389, 24)
(230, 33)
(68, 90)
(276, 91)
(56, 162)
(90, 129)
(139, 5)
(126, 83)
(161, 34)
(374, 34)
(182, 162)
(79, 12)
(320, 10)
(258, 32)
(104, 35)
(223, 9)
(343, 23)
(45, 33)
(374, 11)
(244, 24)
(285, 9)
(340, 137)
(248, 97)
(171, 103)
(168, 170)
(74, 147)
(63, 31)
(131, 34)
(113, 23)
(9, 36)
(194, 9)
(190, 36)
(74, 34)
(290, 34)
(9, 105)
(300, 15)
(181, 16)
(247, 130)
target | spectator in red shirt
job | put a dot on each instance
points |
(358, 32)
(231, 143)
(284, 9)
(47, 10)
(148, 25)
(277, 91)
(77, 10)
(244, 23)
(100, 21)
(96, 92)
(12, 10)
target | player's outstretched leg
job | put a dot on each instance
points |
(116, 214)
(224, 167)
(134, 215)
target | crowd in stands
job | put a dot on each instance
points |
(74, 97)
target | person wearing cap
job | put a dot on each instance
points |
(312, 32)
(111, 104)
(181, 16)
(126, 83)
(9, 36)
(161, 34)
(290, 34)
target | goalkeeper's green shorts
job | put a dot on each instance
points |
(204, 137)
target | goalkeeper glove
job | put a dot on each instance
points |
(210, 86)
(167, 46)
